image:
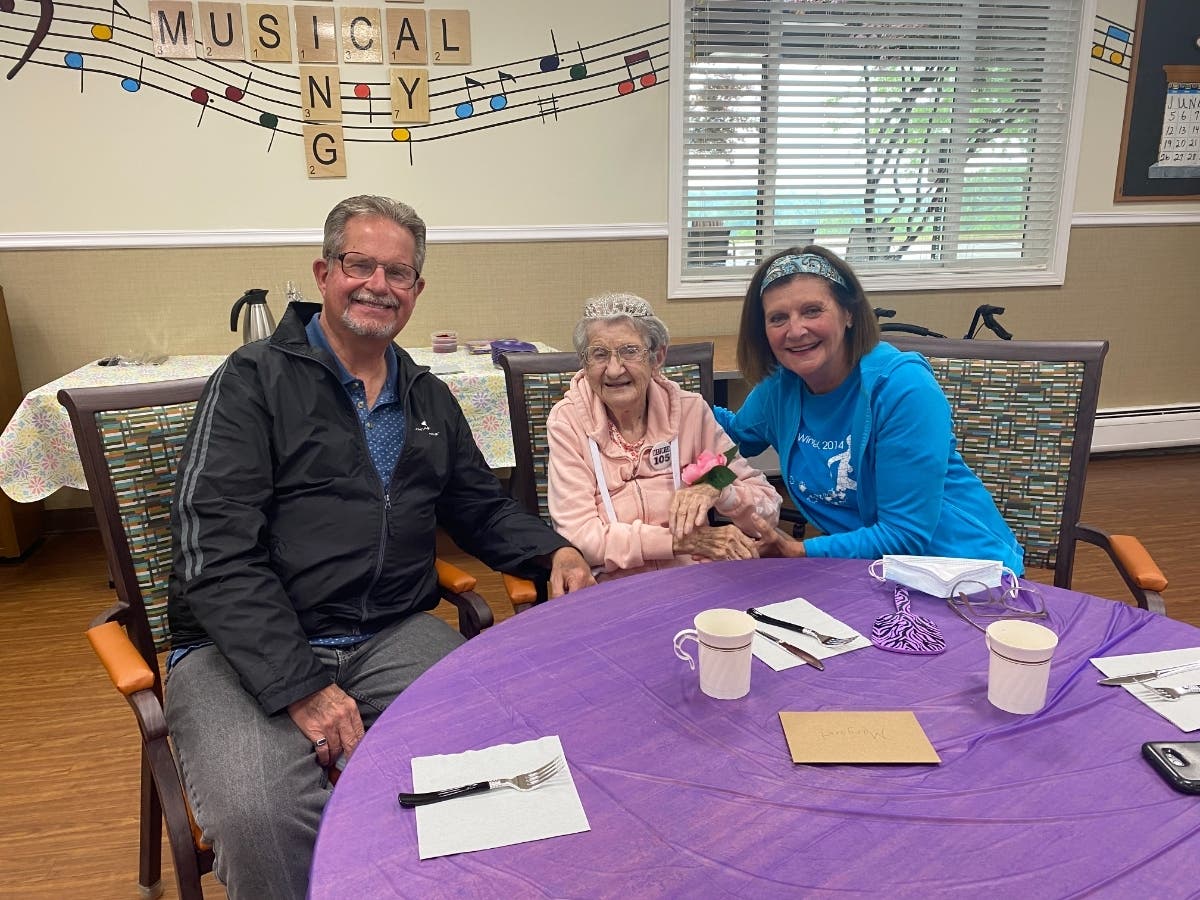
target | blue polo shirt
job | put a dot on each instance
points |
(383, 424)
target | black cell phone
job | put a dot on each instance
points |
(1178, 762)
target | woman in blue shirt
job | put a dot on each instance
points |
(862, 430)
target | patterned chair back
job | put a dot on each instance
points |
(130, 440)
(1024, 413)
(535, 382)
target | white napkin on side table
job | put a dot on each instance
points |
(1184, 712)
(801, 612)
(501, 816)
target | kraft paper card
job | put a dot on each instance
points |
(856, 737)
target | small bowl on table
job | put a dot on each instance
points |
(444, 341)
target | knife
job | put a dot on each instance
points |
(1149, 676)
(794, 650)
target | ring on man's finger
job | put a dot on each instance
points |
(319, 743)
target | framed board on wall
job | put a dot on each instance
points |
(1160, 139)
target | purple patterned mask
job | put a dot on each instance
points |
(904, 632)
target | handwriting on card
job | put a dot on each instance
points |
(856, 737)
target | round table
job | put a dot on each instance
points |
(689, 796)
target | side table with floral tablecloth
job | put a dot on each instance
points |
(37, 450)
(478, 385)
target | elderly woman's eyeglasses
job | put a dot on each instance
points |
(398, 275)
(972, 600)
(600, 356)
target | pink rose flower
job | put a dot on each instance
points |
(705, 463)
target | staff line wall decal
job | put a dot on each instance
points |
(95, 42)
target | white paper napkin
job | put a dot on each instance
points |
(802, 612)
(1184, 712)
(501, 816)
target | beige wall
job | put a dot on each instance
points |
(1136, 287)
(1133, 286)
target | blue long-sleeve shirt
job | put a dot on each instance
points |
(915, 493)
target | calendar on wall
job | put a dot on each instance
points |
(1160, 141)
(1179, 148)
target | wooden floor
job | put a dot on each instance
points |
(68, 792)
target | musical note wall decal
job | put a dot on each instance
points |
(579, 70)
(133, 85)
(102, 32)
(467, 109)
(404, 136)
(75, 61)
(499, 101)
(235, 94)
(363, 92)
(648, 79)
(200, 95)
(1118, 50)
(269, 120)
(1112, 48)
(517, 91)
(551, 63)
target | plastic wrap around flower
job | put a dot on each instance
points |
(711, 468)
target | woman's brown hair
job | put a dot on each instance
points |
(754, 356)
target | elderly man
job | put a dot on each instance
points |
(319, 464)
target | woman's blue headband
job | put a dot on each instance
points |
(804, 264)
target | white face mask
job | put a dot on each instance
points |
(937, 575)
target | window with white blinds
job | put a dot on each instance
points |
(930, 143)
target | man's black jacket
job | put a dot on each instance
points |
(283, 530)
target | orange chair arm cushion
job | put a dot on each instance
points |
(126, 668)
(520, 590)
(453, 579)
(1137, 562)
(197, 831)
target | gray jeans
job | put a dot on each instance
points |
(253, 780)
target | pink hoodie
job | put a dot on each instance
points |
(641, 495)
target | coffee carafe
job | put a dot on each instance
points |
(258, 322)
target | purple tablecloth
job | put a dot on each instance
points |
(689, 796)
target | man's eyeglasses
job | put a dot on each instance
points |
(601, 356)
(972, 600)
(398, 275)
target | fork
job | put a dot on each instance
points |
(827, 639)
(1173, 693)
(526, 781)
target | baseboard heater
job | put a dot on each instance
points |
(1146, 428)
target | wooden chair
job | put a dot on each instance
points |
(130, 439)
(1024, 413)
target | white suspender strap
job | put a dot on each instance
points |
(598, 465)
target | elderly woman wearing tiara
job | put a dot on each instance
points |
(862, 430)
(624, 484)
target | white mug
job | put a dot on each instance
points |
(1019, 656)
(725, 638)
